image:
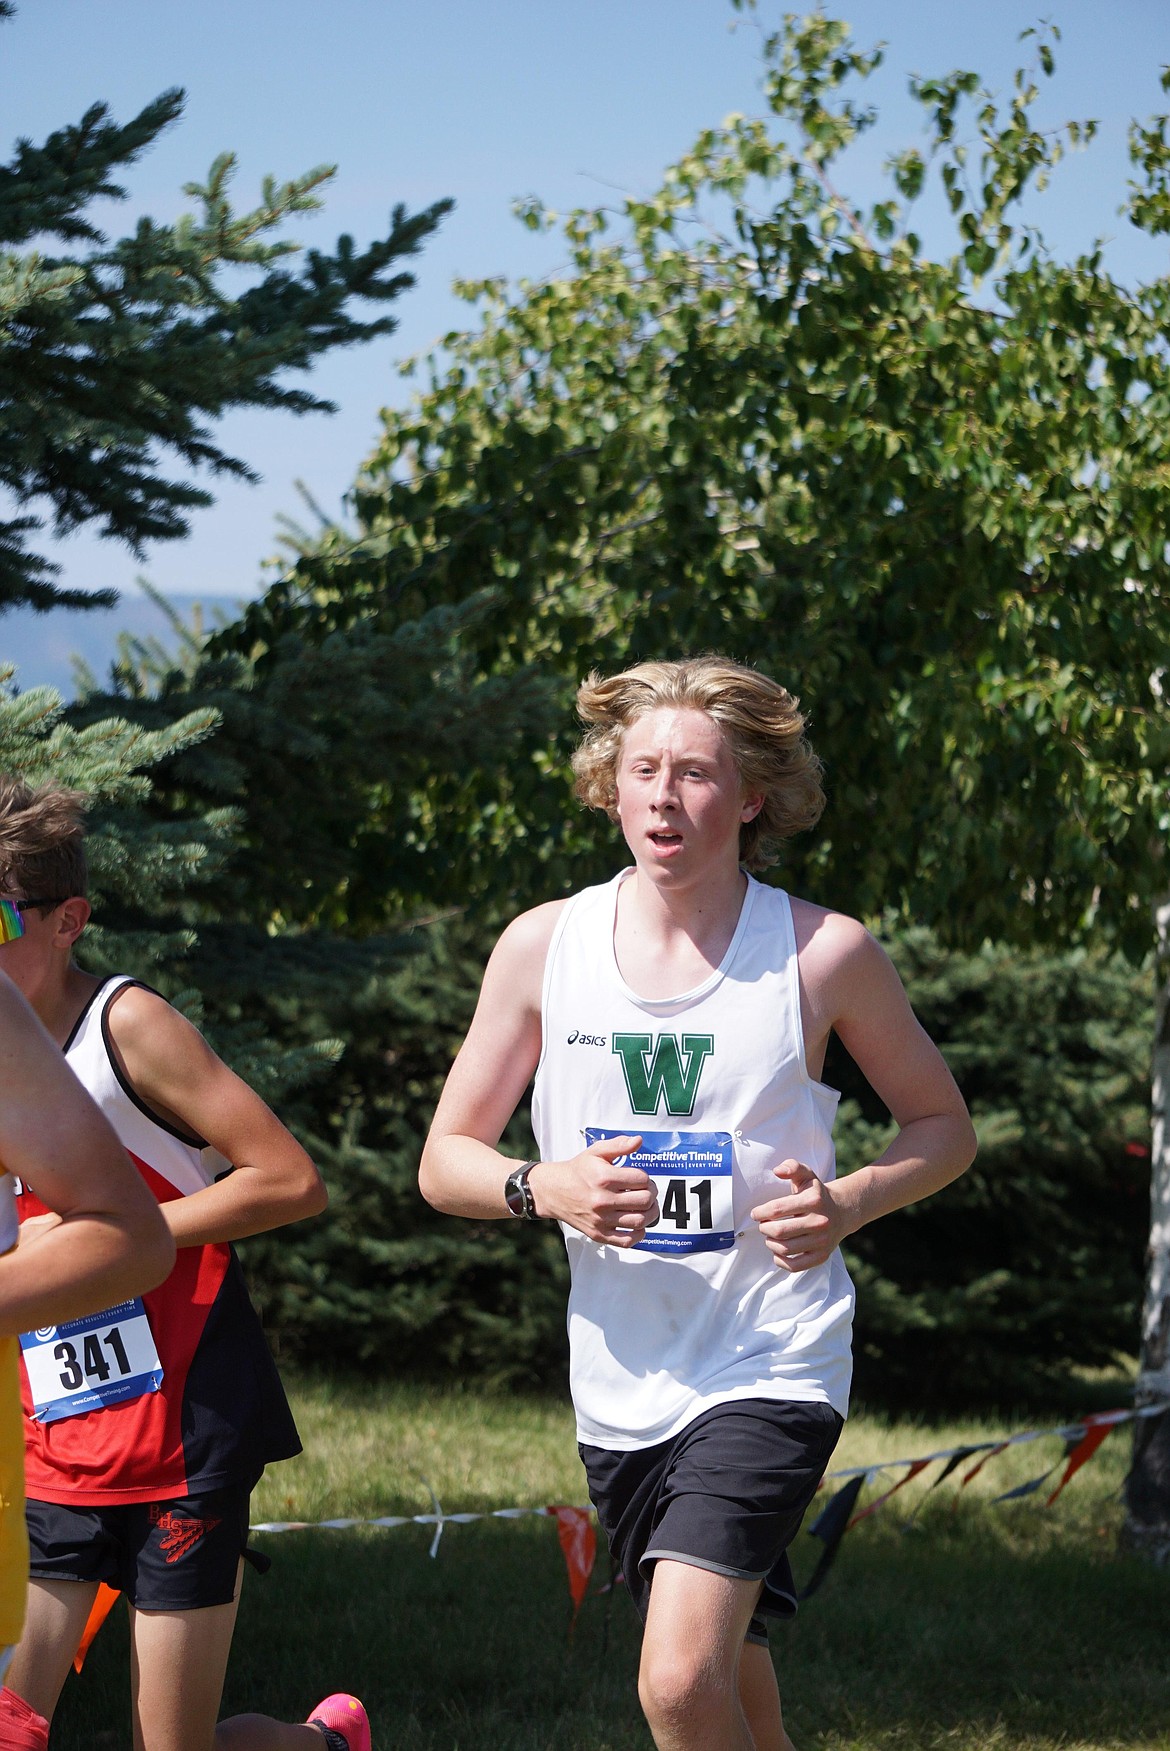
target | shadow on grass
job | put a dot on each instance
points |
(915, 1642)
(918, 1642)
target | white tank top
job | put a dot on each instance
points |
(185, 1162)
(716, 1084)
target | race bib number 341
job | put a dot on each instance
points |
(691, 1171)
(89, 1364)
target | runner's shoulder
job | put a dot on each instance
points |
(530, 933)
(832, 946)
(516, 968)
(155, 1044)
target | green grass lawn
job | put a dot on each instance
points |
(947, 1622)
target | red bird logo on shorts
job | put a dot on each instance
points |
(182, 1533)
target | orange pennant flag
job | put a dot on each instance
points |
(1084, 1449)
(102, 1606)
(578, 1537)
(916, 1466)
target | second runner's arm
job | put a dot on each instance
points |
(173, 1069)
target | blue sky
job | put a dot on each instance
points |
(485, 102)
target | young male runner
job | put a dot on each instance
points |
(108, 1241)
(143, 1445)
(676, 1021)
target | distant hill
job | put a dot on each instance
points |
(43, 646)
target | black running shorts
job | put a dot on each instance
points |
(727, 1493)
(179, 1555)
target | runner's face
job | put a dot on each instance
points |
(679, 796)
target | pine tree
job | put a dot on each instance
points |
(1029, 1272)
(139, 866)
(116, 358)
(317, 941)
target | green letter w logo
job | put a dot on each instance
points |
(648, 1080)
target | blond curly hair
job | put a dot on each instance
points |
(761, 720)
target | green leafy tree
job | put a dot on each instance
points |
(926, 490)
(116, 358)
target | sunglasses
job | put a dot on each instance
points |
(11, 920)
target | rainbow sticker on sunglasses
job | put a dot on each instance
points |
(11, 922)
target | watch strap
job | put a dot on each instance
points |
(518, 1193)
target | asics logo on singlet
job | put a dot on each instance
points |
(654, 1068)
(576, 1038)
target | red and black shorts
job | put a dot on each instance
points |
(178, 1555)
(727, 1493)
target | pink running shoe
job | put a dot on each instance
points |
(343, 1714)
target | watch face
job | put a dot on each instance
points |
(514, 1193)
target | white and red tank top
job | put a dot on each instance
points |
(218, 1415)
(715, 1082)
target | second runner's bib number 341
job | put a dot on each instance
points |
(89, 1364)
(691, 1171)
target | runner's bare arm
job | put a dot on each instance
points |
(850, 985)
(110, 1241)
(174, 1071)
(462, 1172)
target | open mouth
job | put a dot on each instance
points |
(664, 836)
